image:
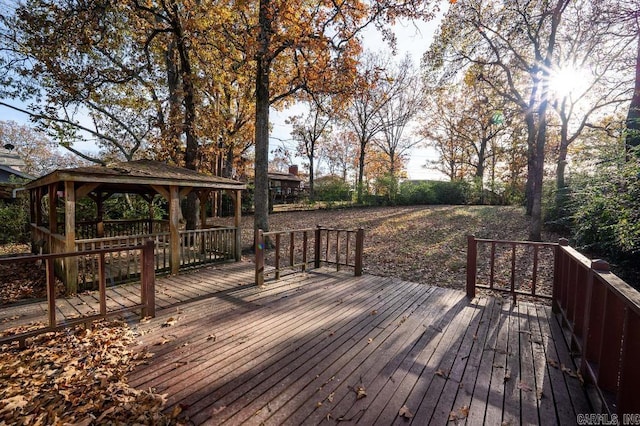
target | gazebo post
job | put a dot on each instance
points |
(71, 263)
(174, 234)
(100, 208)
(53, 215)
(237, 221)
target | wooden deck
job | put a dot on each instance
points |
(327, 347)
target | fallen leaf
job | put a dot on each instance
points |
(219, 409)
(569, 372)
(360, 392)
(211, 337)
(464, 411)
(176, 411)
(171, 321)
(525, 387)
(162, 341)
(405, 412)
(330, 397)
(442, 373)
(370, 340)
(374, 312)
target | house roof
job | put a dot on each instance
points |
(136, 177)
(10, 158)
(284, 176)
(18, 173)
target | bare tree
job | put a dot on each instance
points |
(309, 131)
(395, 116)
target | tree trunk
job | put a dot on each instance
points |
(261, 195)
(311, 178)
(189, 100)
(360, 185)
(561, 186)
(531, 141)
(633, 116)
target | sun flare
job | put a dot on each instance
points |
(568, 81)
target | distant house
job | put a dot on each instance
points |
(10, 165)
(285, 187)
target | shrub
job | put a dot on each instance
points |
(433, 192)
(331, 188)
(14, 220)
(606, 209)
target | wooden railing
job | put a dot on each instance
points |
(603, 314)
(147, 292)
(600, 311)
(121, 266)
(121, 227)
(202, 246)
(339, 247)
(529, 265)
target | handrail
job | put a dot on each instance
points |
(336, 251)
(147, 290)
(472, 266)
(602, 314)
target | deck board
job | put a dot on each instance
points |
(298, 351)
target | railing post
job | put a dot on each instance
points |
(51, 291)
(259, 249)
(316, 247)
(472, 254)
(102, 285)
(305, 242)
(557, 274)
(277, 260)
(359, 250)
(148, 276)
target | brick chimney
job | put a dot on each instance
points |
(293, 170)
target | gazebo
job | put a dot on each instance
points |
(62, 188)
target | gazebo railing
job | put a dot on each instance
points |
(210, 245)
(122, 266)
(89, 229)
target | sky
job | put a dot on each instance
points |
(413, 38)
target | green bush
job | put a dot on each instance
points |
(433, 192)
(412, 193)
(331, 189)
(14, 221)
(605, 209)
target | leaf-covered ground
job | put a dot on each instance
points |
(424, 244)
(76, 376)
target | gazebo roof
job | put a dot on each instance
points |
(136, 176)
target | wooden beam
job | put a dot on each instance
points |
(185, 191)
(174, 233)
(53, 205)
(85, 189)
(100, 207)
(71, 263)
(236, 196)
(203, 196)
(161, 190)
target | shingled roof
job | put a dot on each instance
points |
(136, 176)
